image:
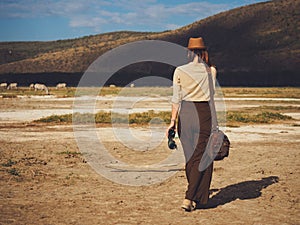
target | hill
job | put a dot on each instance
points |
(254, 45)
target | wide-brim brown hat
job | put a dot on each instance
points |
(196, 43)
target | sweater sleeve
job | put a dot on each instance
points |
(176, 98)
(214, 74)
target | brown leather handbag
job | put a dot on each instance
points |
(218, 144)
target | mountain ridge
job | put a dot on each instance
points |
(249, 42)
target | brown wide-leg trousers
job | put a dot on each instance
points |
(194, 126)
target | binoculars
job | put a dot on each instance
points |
(171, 135)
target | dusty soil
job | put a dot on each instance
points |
(45, 180)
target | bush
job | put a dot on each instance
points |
(156, 117)
(56, 119)
(107, 117)
(263, 117)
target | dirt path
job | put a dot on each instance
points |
(45, 180)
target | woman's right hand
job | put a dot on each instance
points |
(172, 125)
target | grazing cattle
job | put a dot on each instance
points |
(41, 87)
(3, 85)
(132, 85)
(61, 85)
(112, 86)
(12, 86)
(31, 86)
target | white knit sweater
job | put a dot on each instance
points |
(190, 82)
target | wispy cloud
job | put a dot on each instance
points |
(36, 8)
(117, 14)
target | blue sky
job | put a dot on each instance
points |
(33, 20)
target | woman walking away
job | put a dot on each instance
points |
(190, 102)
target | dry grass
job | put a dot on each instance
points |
(265, 92)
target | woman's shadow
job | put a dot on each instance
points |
(244, 190)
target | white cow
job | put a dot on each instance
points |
(31, 86)
(41, 87)
(3, 85)
(12, 86)
(61, 85)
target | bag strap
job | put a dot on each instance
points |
(214, 120)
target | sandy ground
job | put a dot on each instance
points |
(43, 179)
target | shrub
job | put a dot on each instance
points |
(107, 117)
(56, 119)
(263, 117)
(157, 117)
